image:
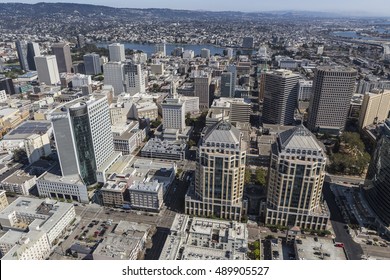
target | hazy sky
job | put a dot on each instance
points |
(378, 7)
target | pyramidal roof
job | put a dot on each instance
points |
(223, 132)
(298, 137)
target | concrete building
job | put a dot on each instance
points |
(295, 179)
(134, 79)
(160, 50)
(375, 108)
(280, 97)
(143, 108)
(19, 183)
(332, 92)
(129, 140)
(188, 54)
(165, 149)
(205, 239)
(80, 80)
(21, 48)
(47, 69)
(63, 56)
(229, 109)
(32, 51)
(305, 90)
(173, 113)
(92, 64)
(113, 75)
(116, 52)
(114, 192)
(157, 69)
(45, 220)
(191, 104)
(82, 131)
(3, 200)
(229, 53)
(146, 195)
(219, 175)
(205, 53)
(202, 82)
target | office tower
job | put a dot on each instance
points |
(160, 49)
(202, 82)
(82, 131)
(247, 42)
(226, 84)
(178, 51)
(188, 54)
(134, 79)
(7, 85)
(63, 56)
(332, 92)
(80, 41)
(32, 51)
(117, 52)
(377, 187)
(113, 75)
(92, 64)
(173, 111)
(205, 53)
(219, 174)
(233, 69)
(229, 53)
(47, 69)
(21, 48)
(375, 108)
(305, 90)
(280, 97)
(295, 179)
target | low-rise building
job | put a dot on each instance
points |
(18, 182)
(114, 192)
(3, 200)
(147, 195)
(157, 148)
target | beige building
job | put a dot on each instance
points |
(202, 82)
(375, 108)
(114, 190)
(37, 146)
(3, 200)
(219, 175)
(295, 179)
(146, 195)
(18, 182)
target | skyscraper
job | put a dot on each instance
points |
(80, 41)
(202, 82)
(226, 84)
(92, 64)
(47, 69)
(113, 75)
(173, 112)
(64, 58)
(219, 174)
(332, 92)
(377, 187)
(280, 97)
(205, 53)
(83, 136)
(21, 48)
(233, 69)
(160, 49)
(133, 78)
(32, 51)
(7, 85)
(295, 179)
(117, 52)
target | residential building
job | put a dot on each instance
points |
(47, 69)
(219, 175)
(280, 97)
(134, 79)
(295, 180)
(32, 51)
(157, 69)
(375, 108)
(92, 64)
(116, 52)
(113, 75)
(332, 92)
(63, 57)
(147, 195)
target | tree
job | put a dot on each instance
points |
(247, 177)
(155, 123)
(257, 254)
(261, 177)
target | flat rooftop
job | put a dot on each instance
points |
(55, 175)
(323, 249)
(28, 128)
(202, 253)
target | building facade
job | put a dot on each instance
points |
(32, 51)
(116, 52)
(47, 69)
(63, 56)
(134, 79)
(113, 75)
(92, 64)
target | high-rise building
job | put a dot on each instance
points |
(63, 56)
(227, 84)
(160, 49)
(305, 90)
(233, 69)
(229, 53)
(134, 79)
(377, 187)
(219, 175)
(47, 69)
(280, 97)
(32, 51)
(247, 42)
(375, 108)
(92, 64)
(113, 75)
(173, 112)
(7, 85)
(117, 52)
(295, 180)
(205, 53)
(82, 131)
(332, 92)
(80, 41)
(21, 48)
(202, 82)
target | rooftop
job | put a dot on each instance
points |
(27, 129)
(323, 249)
(298, 138)
(222, 132)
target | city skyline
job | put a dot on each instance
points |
(360, 8)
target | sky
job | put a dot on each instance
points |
(361, 7)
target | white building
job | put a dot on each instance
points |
(18, 182)
(146, 195)
(173, 113)
(47, 69)
(160, 50)
(305, 90)
(117, 52)
(191, 104)
(188, 54)
(3, 96)
(229, 53)
(37, 146)
(134, 79)
(80, 80)
(113, 75)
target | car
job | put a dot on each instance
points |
(339, 244)
(83, 227)
(76, 237)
